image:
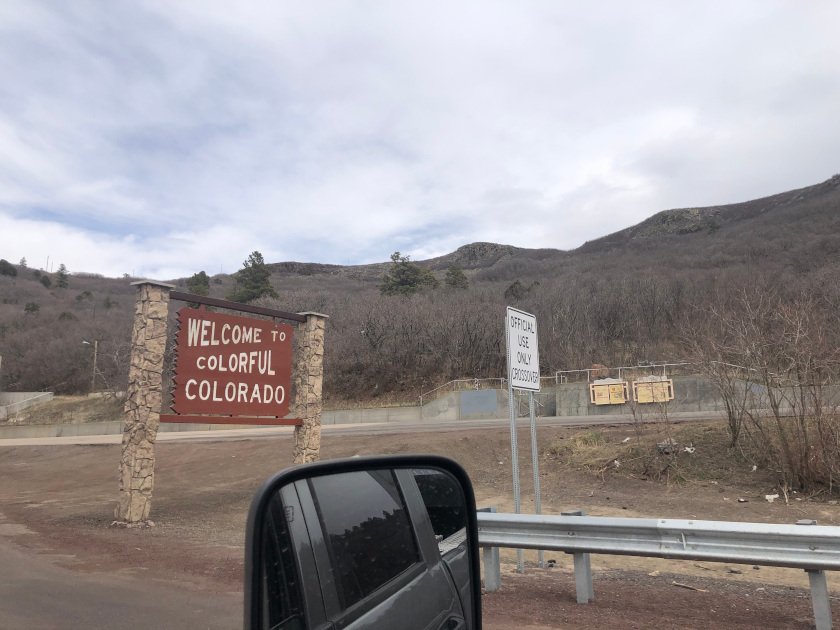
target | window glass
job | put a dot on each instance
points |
(281, 584)
(445, 504)
(367, 528)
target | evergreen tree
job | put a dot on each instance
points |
(62, 277)
(406, 277)
(253, 281)
(516, 291)
(455, 278)
(199, 283)
(7, 268)
(22, 262)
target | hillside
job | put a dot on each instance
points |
(802, 210)
(623, 297)
(799, 229)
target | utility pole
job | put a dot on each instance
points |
(95, 345)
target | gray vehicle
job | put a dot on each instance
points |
(385, 542)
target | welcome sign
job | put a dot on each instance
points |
(229, 365)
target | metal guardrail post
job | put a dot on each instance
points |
(492, 565)
(492, 569)
(820, 601)
(583, 570)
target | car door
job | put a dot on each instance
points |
(376, 556)
(443, 501)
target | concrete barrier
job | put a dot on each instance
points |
(375, 414)
(113, 427)
(15, 402)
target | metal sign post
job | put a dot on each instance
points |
(523, 365)
(535, 464)
(514, 463)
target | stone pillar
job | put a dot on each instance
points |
(143, 402)
(309, 378)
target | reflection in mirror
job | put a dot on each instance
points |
(367, 548)
(367, 531)
(281, 582)
(445, 504)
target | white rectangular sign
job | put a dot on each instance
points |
(522, 350)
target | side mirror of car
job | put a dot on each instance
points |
(372, 542)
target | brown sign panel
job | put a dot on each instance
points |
(229, 365)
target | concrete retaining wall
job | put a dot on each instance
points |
(691, 393)
(376, 414)
(113, 427)
(443, 408)
(487, 404)
(14, 402)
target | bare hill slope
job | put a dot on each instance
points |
(799, 229)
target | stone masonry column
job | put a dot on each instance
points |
(309, 378)
(143, 402)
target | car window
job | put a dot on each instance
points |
(365, 551)
(281, 582)
(445, 505)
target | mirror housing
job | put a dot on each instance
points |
(362, 542)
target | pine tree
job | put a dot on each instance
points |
(253, 281)
(516, 291)
(199, 283)
(406, 277)
(62, 277)
(455, 278)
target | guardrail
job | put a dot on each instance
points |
(813, 548)
(562, 376)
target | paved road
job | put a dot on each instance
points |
(369, 428)
(37, 593)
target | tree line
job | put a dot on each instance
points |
(768, 338)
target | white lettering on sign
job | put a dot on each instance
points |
(522, 350)
(254, 362)
(202, 332)
(278, 335)
(207, 390)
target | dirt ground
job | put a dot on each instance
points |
(59, 500)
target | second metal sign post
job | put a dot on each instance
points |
(523, 363)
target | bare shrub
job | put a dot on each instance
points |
(775, 361)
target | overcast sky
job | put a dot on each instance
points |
(159, 138)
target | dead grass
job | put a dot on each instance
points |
(590, 450)
(690, 452)
(70, 410)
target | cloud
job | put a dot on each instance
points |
(162, 138)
